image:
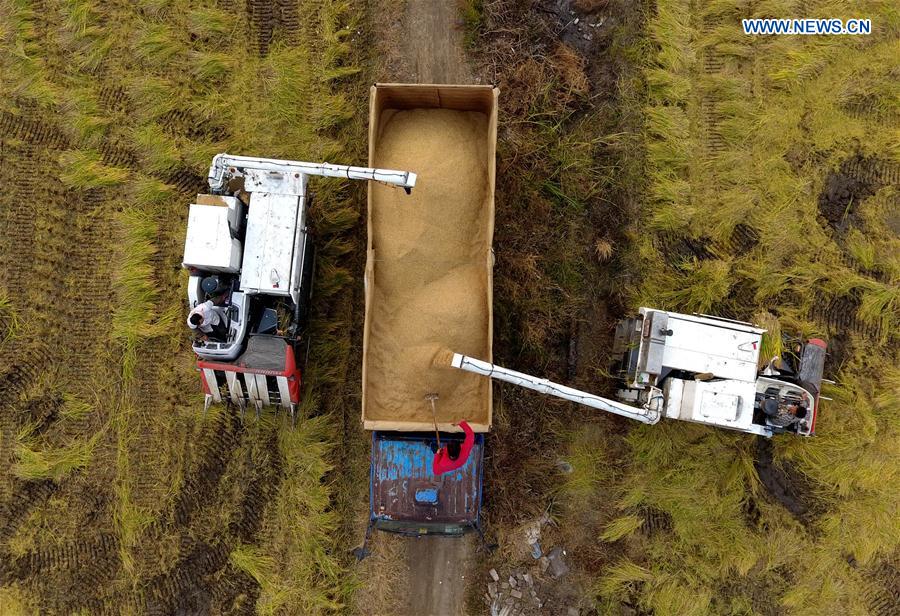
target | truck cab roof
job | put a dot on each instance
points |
(406, 496)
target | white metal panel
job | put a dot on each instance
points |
(252, 389)
(269, 243)
(208, 244)
(234, 387)
(721, 403)
(284, 391)
(725, 350)
(262, 389)
(674, 390)
(210, 375)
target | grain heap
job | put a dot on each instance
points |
(430, 274)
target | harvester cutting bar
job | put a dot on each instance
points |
(225, 162)
(645, 415)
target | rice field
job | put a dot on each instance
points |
(771, 196)
(706, 171)
(117, 495)
(661, 158)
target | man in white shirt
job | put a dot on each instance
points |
(210, 320)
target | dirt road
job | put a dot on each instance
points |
(421, 41)
(438, 571)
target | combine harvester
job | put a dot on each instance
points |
(695, 368)
(247, 249)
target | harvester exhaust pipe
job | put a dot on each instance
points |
(648, 415)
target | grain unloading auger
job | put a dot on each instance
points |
(694, 368)
(248, 251)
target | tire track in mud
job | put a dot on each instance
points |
(97, 556)
(57, 245)
(233, 471)
(865, 176)
(32, 132)
(261, 17)
(882, 589)
(271, 20)
(656, 521)
(65, 576)
(26, 497)
(713, 63)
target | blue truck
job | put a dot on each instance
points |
(406, 498)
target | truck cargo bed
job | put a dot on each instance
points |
(428, 271)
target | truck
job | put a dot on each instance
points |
(248, 250)
(428, 282)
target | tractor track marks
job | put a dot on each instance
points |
(235, 473)
(25, 497)
(656, 521)
(211, 456)
(842, 314)
(678, 248)
(67, 577)
(183, 123)
(882, 589)
(289, 20)
(713, 63)
(203, 581)
(34, 132)
(261, 16)
(115, 98)
(272, 20)
(18, 172)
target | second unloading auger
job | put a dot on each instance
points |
(648, 413)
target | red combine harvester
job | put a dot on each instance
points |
(250, 260)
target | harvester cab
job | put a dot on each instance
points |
(696, 368)
(250, 258)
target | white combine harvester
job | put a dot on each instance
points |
(695, 368)
(248, 250)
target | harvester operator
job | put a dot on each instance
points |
(210, 320)
(783, 414)
(454, 455)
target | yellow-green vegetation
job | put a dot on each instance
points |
(111, 115)
(773, 172)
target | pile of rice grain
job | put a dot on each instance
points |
(430, 276)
